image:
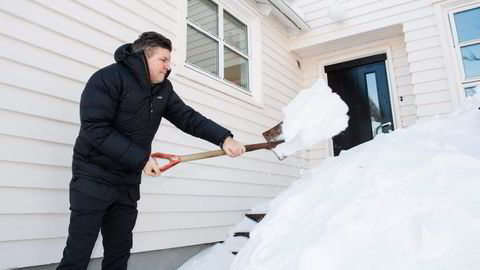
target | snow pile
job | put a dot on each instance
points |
(406, 200)
(314, 115)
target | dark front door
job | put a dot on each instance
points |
(362, 84)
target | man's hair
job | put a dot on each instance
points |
(147, 42)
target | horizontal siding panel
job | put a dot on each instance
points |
(40, 81)
(405, 90)
(364, 13)
(408, 110)
(58, 43)
(43, 226)
(385, 18)
(428, 75)
(129, 19)
(419, 23)
(423, 54)
(72, 10)
(422, 44)
(403, 80)
(48, 201)
(44, 17)
(402, 71)
(272, 47)
(421, 33)
(17, 149)
(434, 63)
(23, 101)
(399, 52)
(434, 97)
(431, 86)
(44, 60)
(434, 109)
(400, 61)
(407, 100)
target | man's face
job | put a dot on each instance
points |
(158, 64)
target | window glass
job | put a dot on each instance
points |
(202, 50)
(205, 42)
(468, 24)
(471, 60)
(236, 68)
(205, 14)
(235, 32)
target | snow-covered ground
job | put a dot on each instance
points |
(405, 200)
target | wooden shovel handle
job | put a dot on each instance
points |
(174, 159)
(217, 153)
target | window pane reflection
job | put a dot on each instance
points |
(204, 13)
(202, 50)
(468, 24)
(471, 60)
(235, 32)
(236, 68)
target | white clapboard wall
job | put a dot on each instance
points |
(49, 50)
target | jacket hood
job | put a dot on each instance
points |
(136, 63)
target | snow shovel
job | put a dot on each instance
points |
(273, 137)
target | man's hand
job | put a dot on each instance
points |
(232, 147)
(151, 168)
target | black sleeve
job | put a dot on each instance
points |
(98, 106)
(194, 123)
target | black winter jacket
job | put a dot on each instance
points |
(120, 112)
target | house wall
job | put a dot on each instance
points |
(422, 85)
(49, 50)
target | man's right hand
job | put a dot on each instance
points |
(151, 168)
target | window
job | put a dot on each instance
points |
(466, 35)
(217, 42)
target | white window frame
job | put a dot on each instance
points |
(466, 82)
(251, 18)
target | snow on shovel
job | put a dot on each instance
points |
(315, 114)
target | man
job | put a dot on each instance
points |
(120, 112)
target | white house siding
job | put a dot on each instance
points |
(49, 50)
(420, 77)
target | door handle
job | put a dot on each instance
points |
(382, 126)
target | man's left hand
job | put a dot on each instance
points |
(232, 147)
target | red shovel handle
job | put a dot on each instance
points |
(172, 160)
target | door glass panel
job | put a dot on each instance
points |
(205, 14)
(471, 60)
(375, 115)
(468, 24)
(236, 68)
(202, 51)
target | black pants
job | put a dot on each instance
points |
(94, 207)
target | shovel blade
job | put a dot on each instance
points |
(274, 134)
(275, 137)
